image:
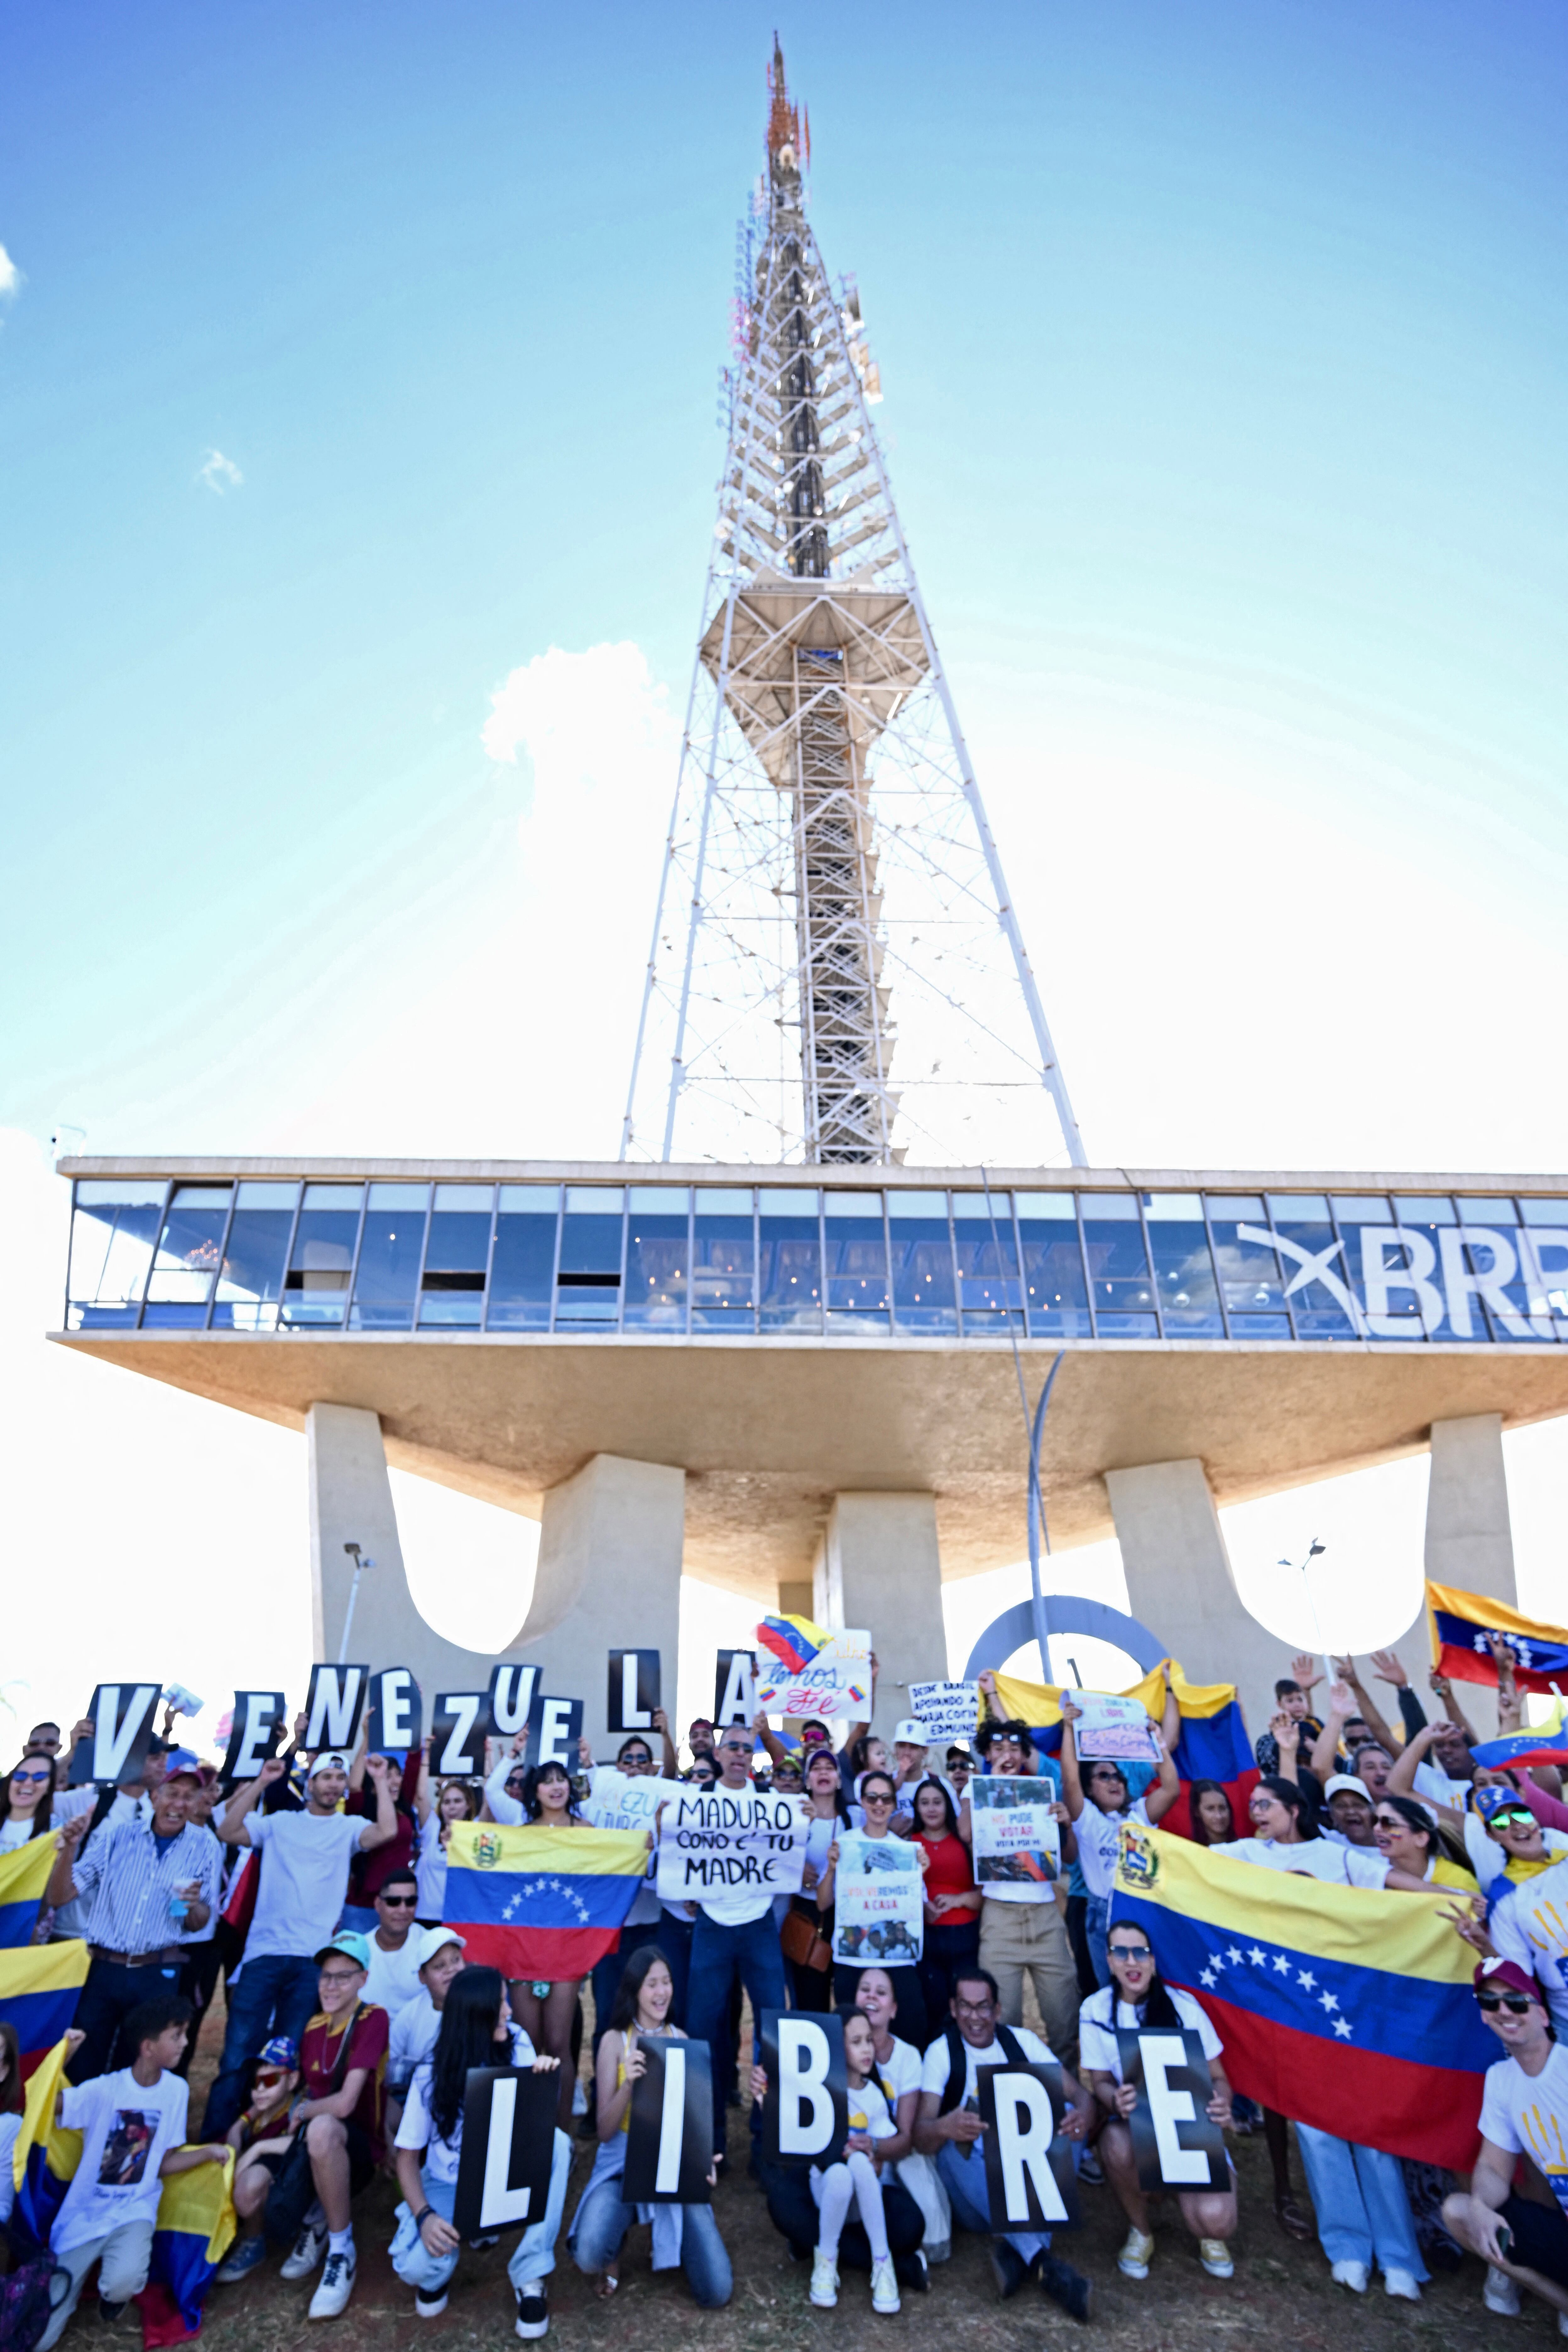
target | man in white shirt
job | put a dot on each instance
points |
(393, 1980)
(1524, 2110)
(949, 2129)
(734, 1936)
(304, 1865)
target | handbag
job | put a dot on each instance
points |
(802, 1941)
(293, 2190)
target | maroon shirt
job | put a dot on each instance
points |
(319, 2046)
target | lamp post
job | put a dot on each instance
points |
(360, 1566)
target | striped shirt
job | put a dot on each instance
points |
(126, 1883)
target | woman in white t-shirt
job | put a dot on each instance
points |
(1096, 1799)
(899, 1944)
(24, 1802)
(1285, 1837)
(899, 2072)
(453, 1800)
(1138, 1996)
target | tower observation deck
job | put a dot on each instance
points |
(837, 972)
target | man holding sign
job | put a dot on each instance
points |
(1153, 2118)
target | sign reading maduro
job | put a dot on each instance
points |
(730, 1841)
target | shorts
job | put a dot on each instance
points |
(362, 2163)
(1540, 2239)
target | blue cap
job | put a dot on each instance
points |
(182, 1760)
(278, 2051)
(352, 1947)
(1489, 1802)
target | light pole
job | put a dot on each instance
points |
(360, 1566)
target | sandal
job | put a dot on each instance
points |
(607, 2284)
(1293, 2220)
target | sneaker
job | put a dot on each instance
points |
(1352, 2274)
(532, 2310)
(1136, 2256)
(331, 2299)
(1090, 2171)
(884, 2288)
(429, 2306)
(1501, 2293)
(1214, 2256)
(1008, 2268)
(941, 2252)
(579, 2101)
(249, 2254)
(1066, 2286)
(1403, 2283)
(1562, 2322)
(110, 2312)
(482, 2246)
(309, 2247)
(911, 2270)
(824, 2282)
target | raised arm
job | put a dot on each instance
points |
(61, 1888)
(384, 1827)
(231, 1830)
(1325, 1748)
(1159, 1800)
(422, 1792)
(1370, 1715)
(776, 1750)
(1072, 1787)
(1451, 1707)
(671, 1759)
(1509, 1706)
(1281, 1728)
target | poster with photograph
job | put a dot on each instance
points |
(1113, 1729)
(877, 1915)
(1017, 1845)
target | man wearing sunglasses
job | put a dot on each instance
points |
(394, 1978)
(1524, 2110)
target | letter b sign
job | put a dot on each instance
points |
(806, 2115)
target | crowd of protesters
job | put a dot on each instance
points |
(353, 2017)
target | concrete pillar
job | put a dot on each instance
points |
(880, 1566)
(1469, 1541)
(608, 1575)
(1181, 1585)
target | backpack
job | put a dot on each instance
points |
(27, 2299)
(958, 2062)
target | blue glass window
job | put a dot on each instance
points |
(390, 1250)
(189, 1250)
(112, 1230)
(924, 1298)
(1054, 1283)
(1309, 1242)
(791, 1251)
(1251, 1287)
(457, 1254)
(1183, 1271)
(990, 1287)
(523, 1271)
(658, 1257)
(1482, 1266)
(1407, 1259)
(250, 1281)
(588, 1279)
(316, 1288)
(1120, 1284)
(1544, 1258)
(857, 1262)
(1432, 1218)
(725, 1261)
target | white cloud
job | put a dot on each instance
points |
(10, 276)
(219, 473)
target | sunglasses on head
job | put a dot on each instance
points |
(1515, 2003)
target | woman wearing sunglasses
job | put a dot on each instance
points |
(1410, 1841)
(873, 1849)
(25, 1804)
(1524, 2112)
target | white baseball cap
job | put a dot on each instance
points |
(912, 1732)
(434, 1939)
(329, 1760)
(1337, 1781)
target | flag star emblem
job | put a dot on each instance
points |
(1330, 2001)
(1281, 1964)
(1209, 1979)
(1257, 1956)
(1217, 1961)
(1309, 1981)
(1343, 2028)
(1234, 1957)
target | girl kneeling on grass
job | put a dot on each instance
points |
(856, 2179)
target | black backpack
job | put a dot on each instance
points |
(958, 2061)
(27, 2299)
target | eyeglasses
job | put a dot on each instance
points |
(1130, 1952)
(971, 2008)
(1515, 2003)
(340, 1976)
(32, 1776)
(637, 1756)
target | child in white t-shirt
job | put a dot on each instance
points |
(854, 2178)
(131, 2123)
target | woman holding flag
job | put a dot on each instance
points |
(546, 2011)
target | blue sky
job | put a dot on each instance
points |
(1223, 351)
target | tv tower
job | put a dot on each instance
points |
(836, 972)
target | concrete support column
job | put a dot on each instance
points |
(880, 1566)
(1469, 1541)
(1181, 1585)
(608, 1575)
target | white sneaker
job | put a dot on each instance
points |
(1501, 2293)
(1136, 2256)
(1214, 2256)
(1562, 2322)
(1090, 2171)
(1403, 2283)
(309, 2247)
(824, 2282)
(429, 2306)
(331, 2299)
(579, 2100)
(884, 2288)
(1354, 2276)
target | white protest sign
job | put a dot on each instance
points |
(1114, 1728)
(946, 1710)
(729, 1841)
(628, 1801)
(877, 1919)
(826, 1679)
(1017, 1845)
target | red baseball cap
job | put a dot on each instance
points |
(1508, 1976)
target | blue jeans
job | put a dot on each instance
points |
(1358, 2195)
(533, 2256)
(673, 1936)
(603, 2221)
(276, 1994)
(963, 2178)
(1095, 1919)
(718, 1952)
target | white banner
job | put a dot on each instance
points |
(878, 1918)
(1017, 1845)
(729, 1842)
(834, 1680)
(947, 1710)
(1112, 1728)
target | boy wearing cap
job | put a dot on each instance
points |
(1524, 2110)
(414, 2028)
(304, 1861)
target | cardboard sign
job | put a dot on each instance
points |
(734, 1690)
(255, 1730)
(669, 2140)
(633, 1699)
(729, 1841)
(509, 2148)
(834, 1681)
(555, 1728)
(396, 1716)
(1112, 1728)
(1017, 1845)
(512, 1696)
(628, 1801)
(335, 1708)
(122, 1717)
(806, 2115)
(1174, 2140)
(879, 1918)
(1029, 2177)
(456, 1735)
(948, 1711)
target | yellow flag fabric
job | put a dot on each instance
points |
(1041, 1703)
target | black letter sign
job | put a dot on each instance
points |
(734, 1690)
(669, 2144)
(555, 1728)
(394, 1726)
(253, 1736)
(333, 1709)
(508, 2146)
(122, 1716)
(457, 1742)
(634, 1697)
(806, 2115)
(1176, 2144)
(513, 1690)
(1029, 2176)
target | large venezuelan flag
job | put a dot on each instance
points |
(24, 1875)
(40, 1985)
(536, 1901)
(1340, 2008)
(1460, 1623)
(1213, 1746)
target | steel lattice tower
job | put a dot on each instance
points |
(829, 857)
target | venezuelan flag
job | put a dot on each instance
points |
(1213, 1746)
(1460, 1623)
(40, 1985)
(1341, 2008)
(793, 1641)
(45, 2156)
(24, 1876)
(1543, 1743)
(544, 1903)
